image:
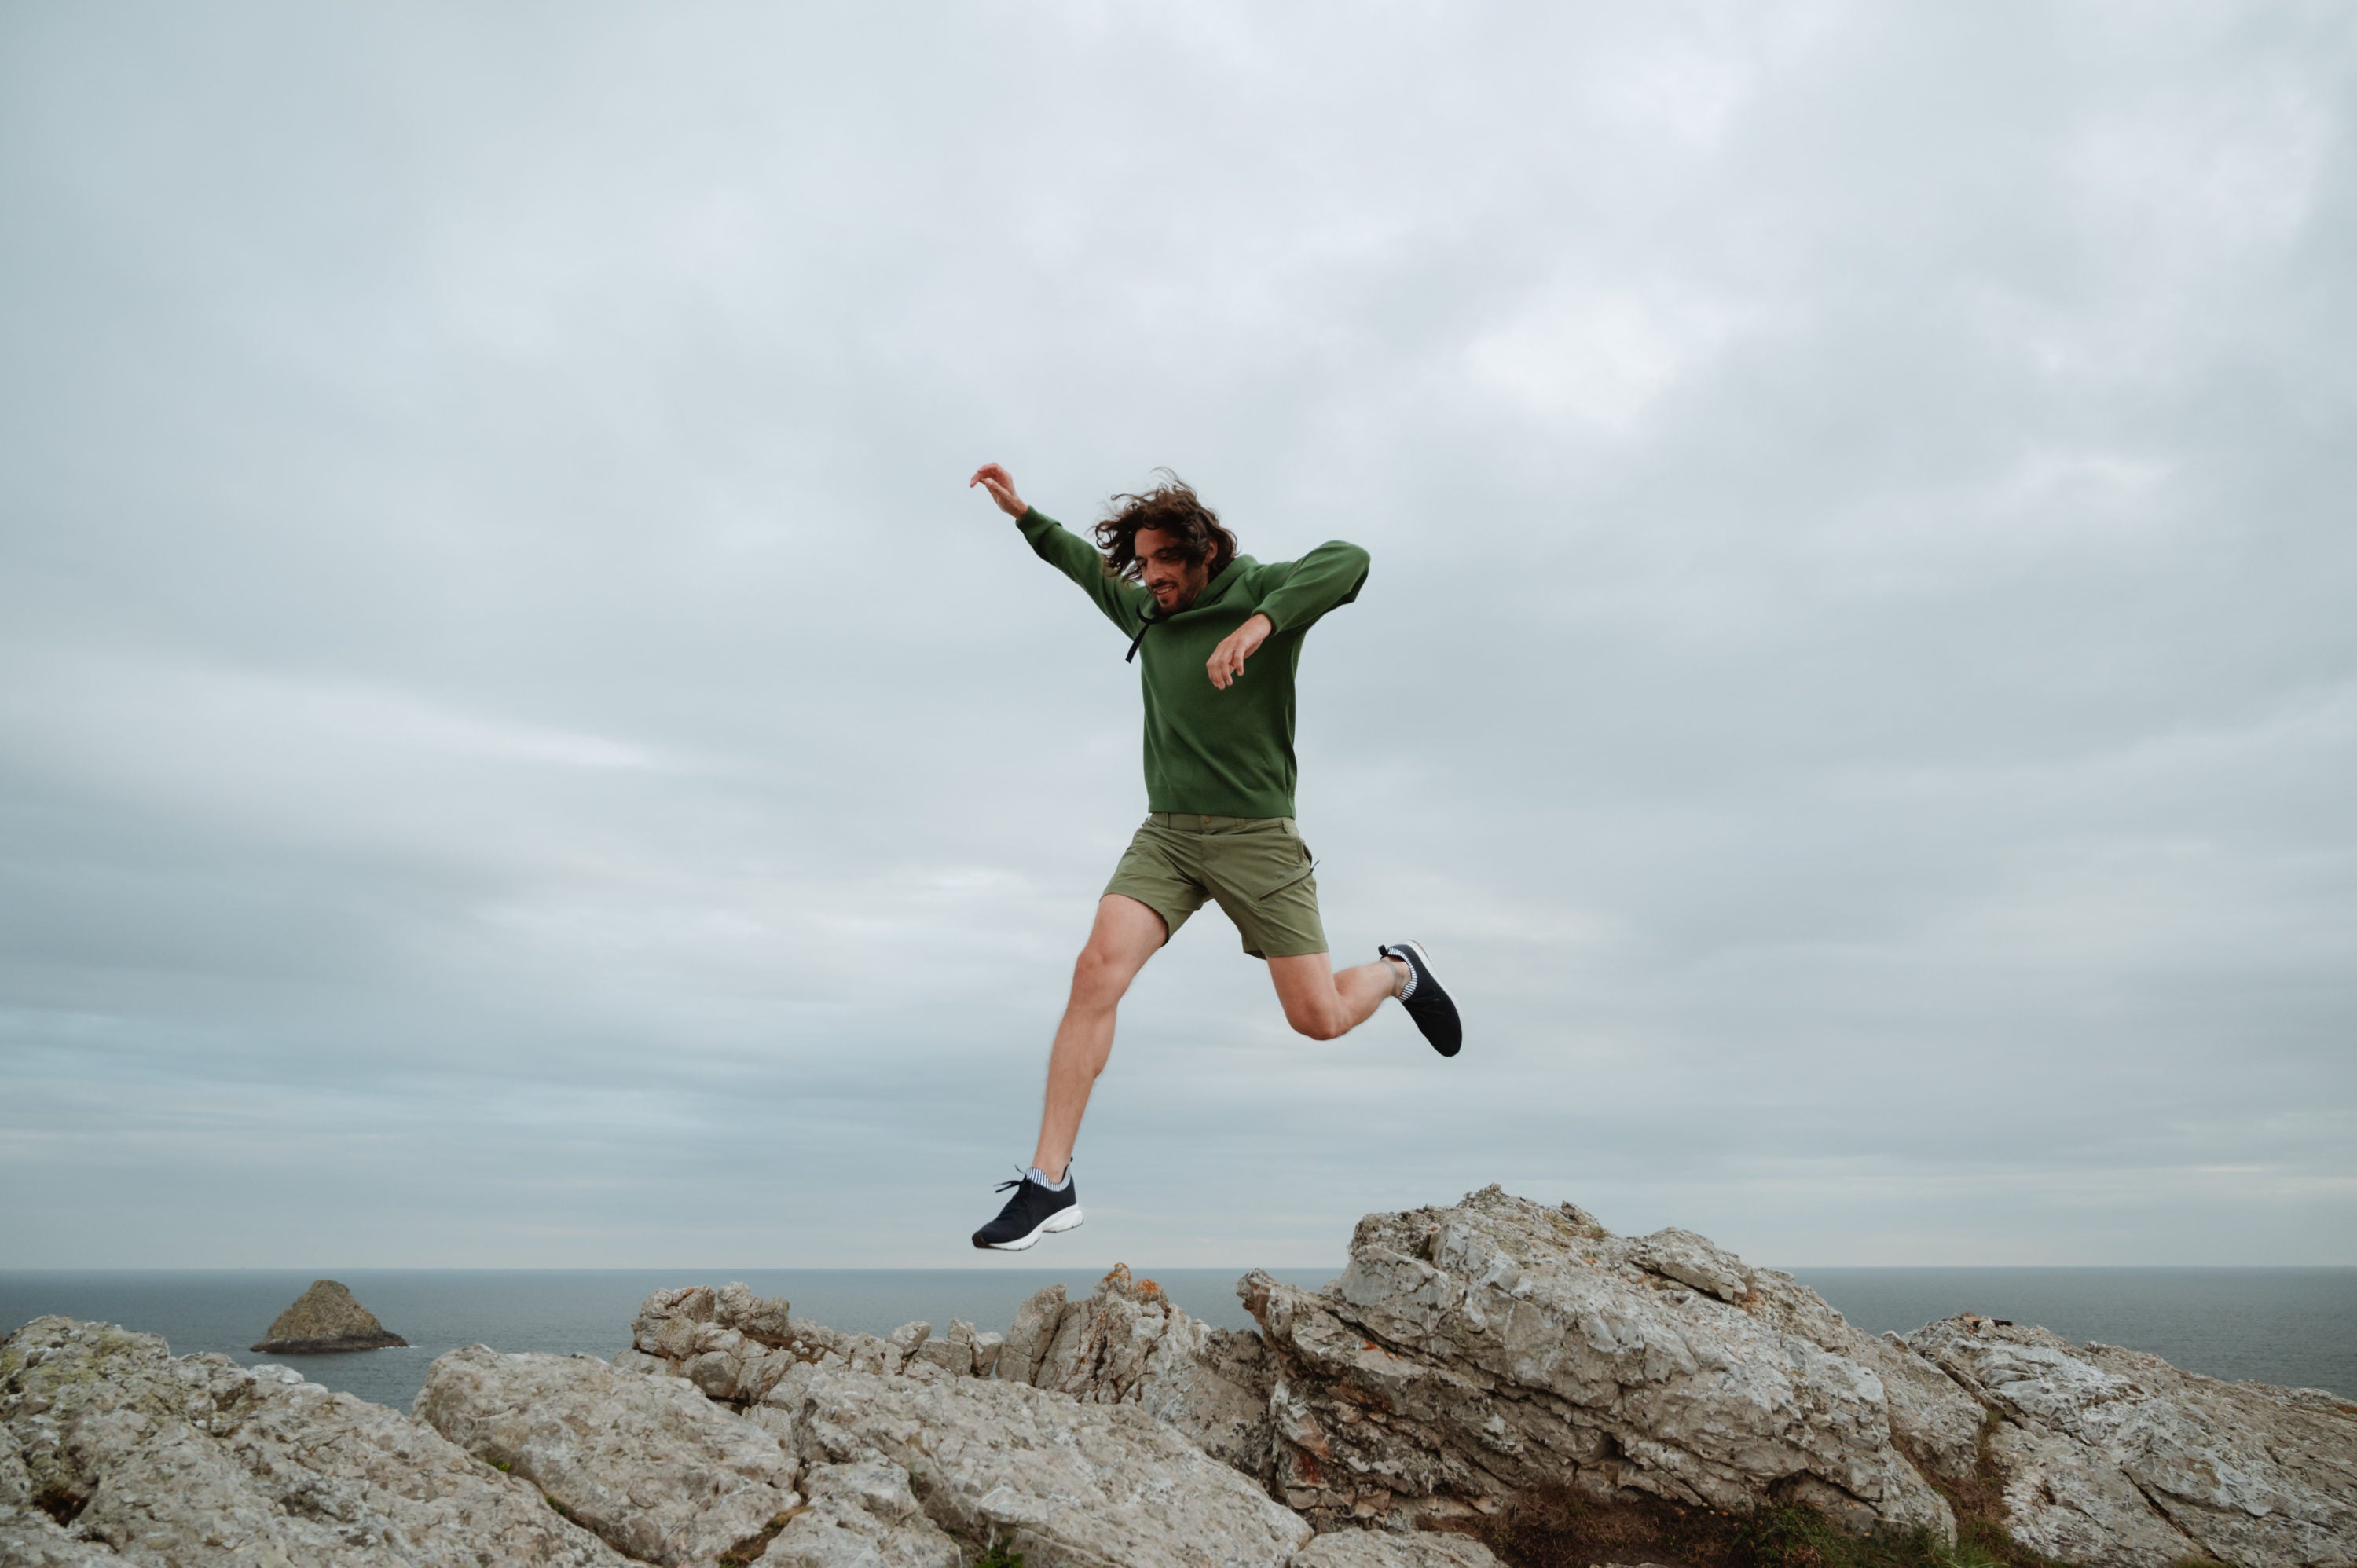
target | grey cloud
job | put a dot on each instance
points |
(517, 747)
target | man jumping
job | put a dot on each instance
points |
(1219, 773)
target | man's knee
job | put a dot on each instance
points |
(1318, 1023)
(1099, 977)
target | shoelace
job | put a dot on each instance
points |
(1406, 987)
(1022, 1176)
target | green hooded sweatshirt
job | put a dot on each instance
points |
(1223, 754)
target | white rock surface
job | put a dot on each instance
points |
(735, 1345)
(1028, 1337)
(2116, 1459)
(196, 1460)
(15, 1481)
(1129, 1344)
(654, 1468)
(862, 1515)
(31, 1538)
(1381, 1549)
(1471, 1352)
(1069, 1485)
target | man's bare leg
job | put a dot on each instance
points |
(1126, 935)
(1325, 1005)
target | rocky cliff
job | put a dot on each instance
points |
(1480, 1375)
(1498, 1348)
(2112, 1456)
(1469, 1354)
(150, 1459)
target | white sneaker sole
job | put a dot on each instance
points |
(1066, 1219)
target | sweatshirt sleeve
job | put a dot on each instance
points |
(1123, 602)
(1299, 592)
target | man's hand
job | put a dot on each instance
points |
(1227, 660)
(1001, 486)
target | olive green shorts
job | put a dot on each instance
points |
(1257, 868)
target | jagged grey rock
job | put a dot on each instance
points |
(31, 1538)
(738, 1347)
(327, 1318)
(735, 1345)
(654, 1468)
(15, 1481)
(1129, 1344)
(1069, 1485)
(1471, 1352)
(1381, 1549)
(862, 1515)
(1938, 1424)
(2116, 1459)
(960, 1352)
(195, 1459)
(27, 1536)
(1028, 1337)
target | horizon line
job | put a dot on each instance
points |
(981, 1268)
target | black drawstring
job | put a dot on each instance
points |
(1135, 641)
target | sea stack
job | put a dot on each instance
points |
(326, 1317)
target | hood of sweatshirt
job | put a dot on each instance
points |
(1217, 595)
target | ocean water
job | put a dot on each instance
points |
(2294, 1327)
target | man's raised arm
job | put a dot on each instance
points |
(1293, 594)
(1329, 575)
(1124, 603)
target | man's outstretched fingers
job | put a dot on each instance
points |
(1001, 486)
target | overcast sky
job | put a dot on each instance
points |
(517, 746)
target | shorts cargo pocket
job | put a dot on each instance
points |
(1261, 876)
(1260, 865)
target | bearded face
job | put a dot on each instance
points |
(1175, 581)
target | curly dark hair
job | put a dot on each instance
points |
(1172, 507)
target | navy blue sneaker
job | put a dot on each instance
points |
(1425, 1003)
(1031, 1213)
